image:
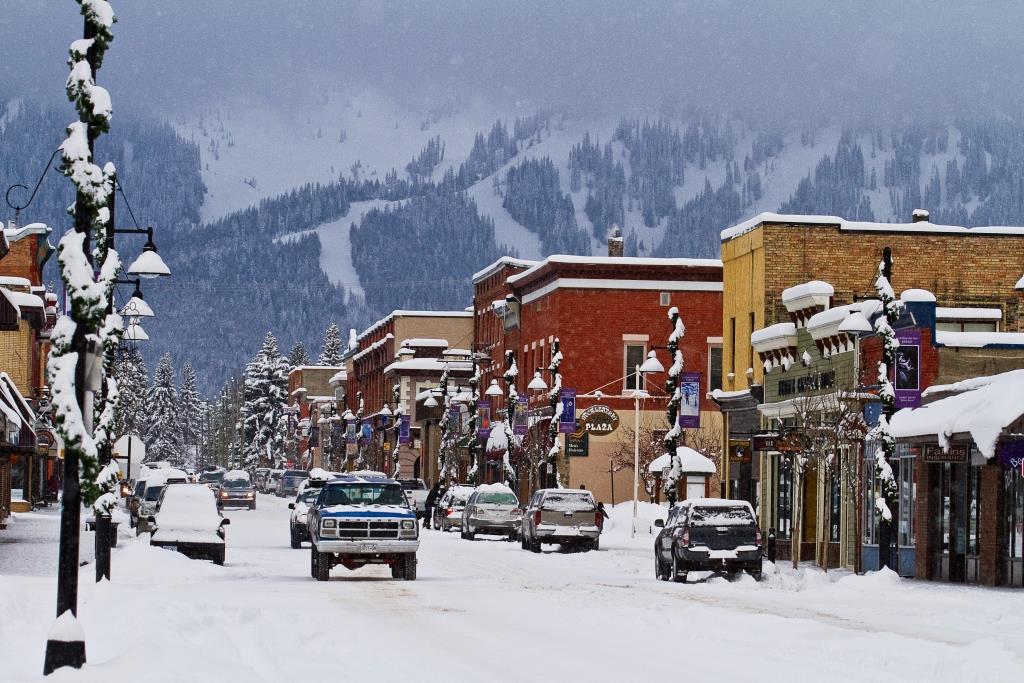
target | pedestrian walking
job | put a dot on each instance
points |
(602, 515)
(435, 493)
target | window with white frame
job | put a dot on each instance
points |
(634, 356)
(666, 298)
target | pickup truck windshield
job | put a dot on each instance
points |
(153, 492)
(568, 502)
(721, 516)
(412, 484)
(364, 494)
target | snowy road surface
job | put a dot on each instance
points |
(489, 611)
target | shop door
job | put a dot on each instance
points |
(955, 513)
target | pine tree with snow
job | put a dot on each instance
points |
(298, 356)
(672, 388)
(511, 398)
(332, 353)
(446, 466)
(889, 490)
(264, 422)
(163, 426)
(132, 385)
(190, 411)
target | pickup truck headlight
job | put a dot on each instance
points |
(408, 524)
(330, 523)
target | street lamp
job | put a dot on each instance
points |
(537, 383)
(431, 402)
(649, 367)
(493, 389)
(148, 264)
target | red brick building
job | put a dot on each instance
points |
(607, 312)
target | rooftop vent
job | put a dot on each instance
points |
(919, 215)
(615, 245)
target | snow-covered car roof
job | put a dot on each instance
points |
(366, 477)
(160, 477)
(494, 488)
(188, 512)
(237, 474)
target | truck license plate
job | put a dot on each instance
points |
(368, 547)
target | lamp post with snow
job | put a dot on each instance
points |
(649, 367)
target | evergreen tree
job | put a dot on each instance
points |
(264, 422)
(332, 353)
(163, 428)
(132, 379)
(190, 413)
(298, 356)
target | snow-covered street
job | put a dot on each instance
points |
(489, 611)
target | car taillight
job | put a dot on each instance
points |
(757, 536)
(451, 510)
(686, 537)
(536, 517)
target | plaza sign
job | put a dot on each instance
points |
(599, 420)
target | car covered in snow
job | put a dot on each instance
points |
(148, 495)
(212, 477)
(190, 523)
(448, 511)
(236, 490)
(708, 534)
(492, 509)
(569, 517)
(360, 519)
(298, 529)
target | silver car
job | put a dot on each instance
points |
(448, 512)
(492, 509)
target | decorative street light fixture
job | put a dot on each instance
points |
(649, 367)
(537, 383)
(148, 264)
(493, 389)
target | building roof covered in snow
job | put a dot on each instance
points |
(690, 462)
(863, 226)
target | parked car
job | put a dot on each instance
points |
(297, 524)
(708, 534)
(149, 502)
(259, 477)
(270, 483)
(492, 509)
(568, 517)
(288, 484)
(212, 477)
(416, 491)
(236, 491)
(448, 511)
(190, 523)
(361, 519)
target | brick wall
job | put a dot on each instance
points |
(960, 269)
(990, 524)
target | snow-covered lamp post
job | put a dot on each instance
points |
(396, 397)
(675, 400)
(76, 367)
(511, 403)
(650, 366)
(887, 443)
(555, 401)
(474, 449)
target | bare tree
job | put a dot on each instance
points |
(652, 435)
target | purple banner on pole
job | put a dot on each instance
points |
(483, 419)
(522, 423)
(350, 431)
(405, 429)
(689, 406)
(906, 375)
(1011, 455)
(567, 421)
(367, 430)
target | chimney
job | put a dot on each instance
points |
(615, 246)
(919, 215)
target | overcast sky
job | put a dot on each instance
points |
(584, 55)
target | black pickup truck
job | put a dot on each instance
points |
(708, 534)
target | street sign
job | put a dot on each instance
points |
(957, 453)
(577, 444)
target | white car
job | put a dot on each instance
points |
(416, 491)
(448, 511)
(190, 523)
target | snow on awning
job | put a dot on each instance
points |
(778, 336)
(983, 408)
(425, 342)
(690, 462)
(807, 295)
(340, 376)
(977, 340)
(945, 313)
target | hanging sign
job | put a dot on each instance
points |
(599, 420)
(689, 406)
(350, 431)
(1011, 455)
(367, 430)
(567, 420)
(577, 444)
(957, 453)
(405, 429)
(522, 423)
(906, 375)
(483, 419)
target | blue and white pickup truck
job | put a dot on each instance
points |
(363, 518)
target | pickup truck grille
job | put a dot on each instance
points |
(367, 529)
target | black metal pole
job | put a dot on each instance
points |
(60, 650)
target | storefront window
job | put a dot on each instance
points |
(784, 506)
(1013, 550)
(902, 464)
